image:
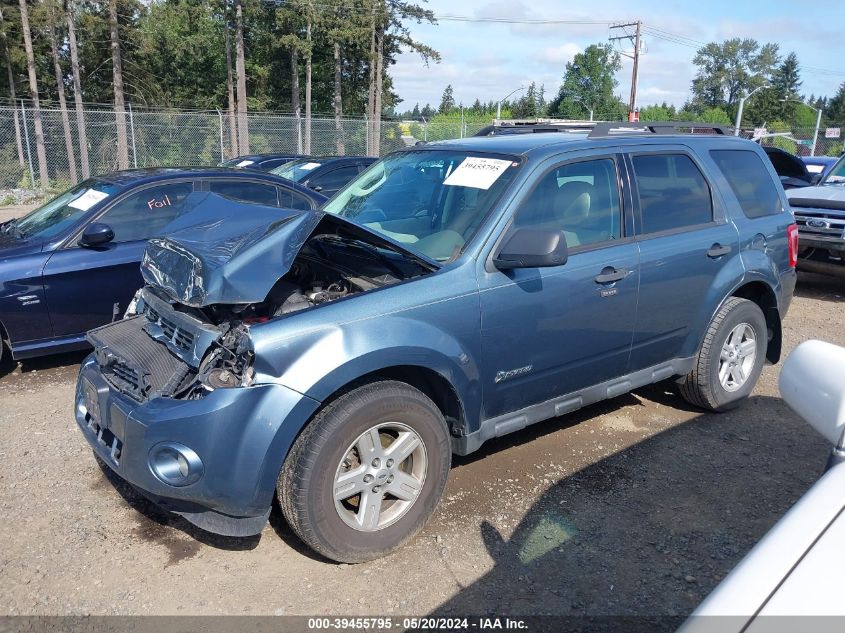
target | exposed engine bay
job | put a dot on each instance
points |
(327, 268)
(211, 344)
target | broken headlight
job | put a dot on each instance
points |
(228, 364)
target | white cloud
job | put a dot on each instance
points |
(486, 60)
(558, 55)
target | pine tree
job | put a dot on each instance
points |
(447, 101)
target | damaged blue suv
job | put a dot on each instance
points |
(452, 293)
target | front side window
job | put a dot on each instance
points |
(581, 199)
(673, 192)
(142, 215)
(432, 201)
(65, 210)
(750, 181)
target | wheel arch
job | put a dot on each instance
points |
(427, 380)
(764, 296)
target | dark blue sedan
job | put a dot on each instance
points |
(73, 264)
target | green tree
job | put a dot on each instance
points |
(662, 112)
(729, 70)
(835, 110)
(447, 101)
(781, 100)
(588, 84)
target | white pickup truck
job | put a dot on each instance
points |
(820, 214)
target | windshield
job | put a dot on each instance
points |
(297, 170)
(837, 172)
(64, 210)
(431, 201)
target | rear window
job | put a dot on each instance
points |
(673, 192)
(750, 181)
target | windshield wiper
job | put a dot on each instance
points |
(11, 228)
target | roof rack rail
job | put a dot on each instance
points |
(611, 128)
(529, 127)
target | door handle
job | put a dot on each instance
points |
(717, 250)
(609, 275)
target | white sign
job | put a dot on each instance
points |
(309, 166)
(759, 131)
(832, 132)
(479, 173)
(88, 199)
(244, 163)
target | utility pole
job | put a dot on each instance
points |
(636, 41)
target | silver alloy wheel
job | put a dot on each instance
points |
(739, 353)
(380, 476)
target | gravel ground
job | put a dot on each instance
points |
(639, 505)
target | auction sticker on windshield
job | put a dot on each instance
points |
(479, 173)
(88, 199)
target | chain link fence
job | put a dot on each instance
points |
(806, 141)
(187, 137)
(181, 138)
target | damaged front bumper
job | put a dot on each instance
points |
(213, 460)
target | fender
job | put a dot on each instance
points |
(320, 362)
(23, 306)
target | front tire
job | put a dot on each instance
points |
(731, 357)
(367, 472)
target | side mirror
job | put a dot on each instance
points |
(316, 188)
(96, 234)
(532, 248)
(811, 384)
(816, 178)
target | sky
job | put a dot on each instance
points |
(487, 60)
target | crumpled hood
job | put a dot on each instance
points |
(228, 252)
(222, 251)
(824, 196)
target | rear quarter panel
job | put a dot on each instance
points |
(764, 245)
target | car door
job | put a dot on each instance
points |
(685, 240)
(330, 182)
(88, 287)
(551, 331)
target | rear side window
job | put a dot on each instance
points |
(673, 192)
(293, 200)
(245, 191)
(750, 181)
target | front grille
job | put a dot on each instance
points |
(127, 374)
(181, 338)
(135, 363)
(819, 222)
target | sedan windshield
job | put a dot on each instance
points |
(431, 201)
(297, 170)
(64, 210)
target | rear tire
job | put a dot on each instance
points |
(731, 357)
(366, 473)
